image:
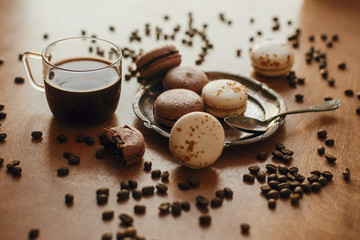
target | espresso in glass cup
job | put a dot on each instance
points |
(81, 79)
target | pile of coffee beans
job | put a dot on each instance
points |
(14, 168)
(282, 153)
(322, 135)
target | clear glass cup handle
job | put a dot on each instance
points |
(29, 74)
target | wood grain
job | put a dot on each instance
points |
(36, 199)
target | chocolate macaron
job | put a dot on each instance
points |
(158, 61)
(172, 104)
(126, 143)
(188, 77)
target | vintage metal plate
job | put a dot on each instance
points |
(263, 102)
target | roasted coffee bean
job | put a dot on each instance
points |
(342, 66)
(346, 173)
(148, 190)
(323, 180)
(358, 110)
(164, 176)
(185, 206)
(102, 191)
(74, 160)
(294, 184)
(248, 178)
(244, 228)
(284, 193)
(316, 172)
(100, 153)
(277, 154)
(271, 168)
(273, 183)
(107, 215)
(204, 220)
(254, 169)
(106, 236)
(283, 185)
(287, 158)
(176, 208)
(12, 164)
(61, 138)
(299, 190)
(67, 154)
(20, 56)
(272, 177)
(261, 176)
(323, 37)
(124, 185)
(1, 161)
(164, 207)
(216, 202)
(193, 180)
(1, 62)
(139, 209)
(328, 175)
(282, 169)
(349, 92)
(101, 199)
(294, 198)
(36, 134)
(329, 44)
(80, 138)
(19, 80)
(328, 98)
(282, 178)
(265, 189)
(330, 158)
(293, 170)
(299, 97)
(315, 186)
(220, 193)
(136, 194)
(299, 177)
(291, 177)
(261, 156)
(123, 195)
(89, 141)
(272, 194)
(161, 188)
(329, 142)
(2, 106)
(279, 146)
(34, 233)
(287, 152)
(331, 82)
(147, 165)
(306, 187)
(301, 80)
(2, 136)
(16, 171)
(202, 201)
(69, 199)
(132, 184)
(184, 185)
(322, 133)
(128, 233)
(272, 203)
(125, 219)
(321, 150)
(63, 171)
(313, 178)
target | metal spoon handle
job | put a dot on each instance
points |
(325, 106)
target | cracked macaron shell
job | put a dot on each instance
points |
(197, 140)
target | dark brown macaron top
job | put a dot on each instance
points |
(158, 61)
(172, 104)
(126, 143)
(187, 77)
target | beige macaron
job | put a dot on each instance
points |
(224, 97)
(197, 140)
(271, 58)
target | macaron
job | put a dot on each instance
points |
(188, 77)
(126, 143)
(271, 58)
(197, 140)
(224, 97)
(172, 104)
(158, 61)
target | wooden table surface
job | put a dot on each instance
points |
(36, 199)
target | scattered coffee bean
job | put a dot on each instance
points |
(164, 176)
(327, 175)
(185, 206)
(322, 133)
(294, 198)
(321, 150)
(261, 175)
(125, 219)
(1, 62)
(202, 201)
(123, 195)
(2, 106)
(282, 169)
(164, 207)
(132, 184)
(328, 98)
(290, 177)
(106, 236)
(283, 185)
(316, 172)
(272, 177)
(107, 215)
(293, 170)
(139, 209)
(12, 164)
(273, 183)
(331, 82)
(124, 185)
(358, 110)
(1, 161)
(216, 202)
(282, 178)
(287, 158)
(313, 178)
(272, 194)
(184, 185)
(248, 178)
(74, 160)
(330, 158)
(346, 173)
(61, 138)
(254, 169)
(100, 153)
(128, 233)
(2, 136)
(265, 189)
(286, 151)
(315, 186)
(19, 80)
(63, 171)
(89, 141)
(220, 193)
(306, 187)
(329, 142)
(323, 180)
(193, 180)
(69, 199)
(36, 134)
(101, 199)
(80, 138)
(148, 190)
(34, 233)
(147, 165)
(349, 92)
(342, 66)
(299, 190)
(261, 156)
(277, 154)
(67, 154)
(299, 97)
(161, 188)
(244, 228)
(176, 208)
(16, 171)
(284, 193)
(205, 220)
(272, 203)
(271, 168)
(136, 194)
(299, 177)
(279, 146)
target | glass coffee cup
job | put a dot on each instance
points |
(81, 79)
